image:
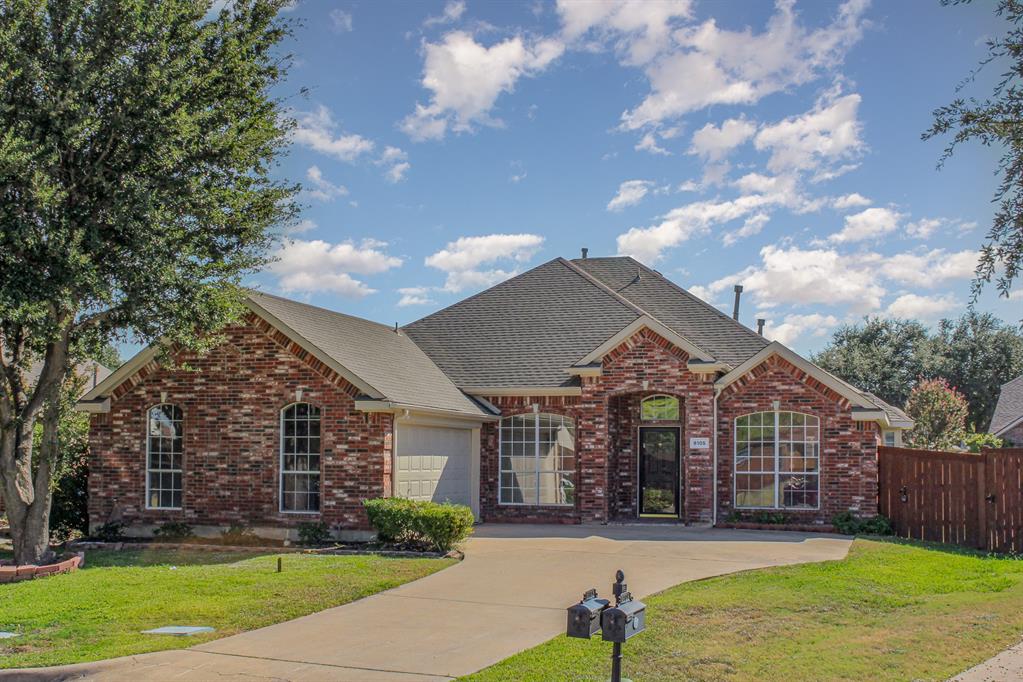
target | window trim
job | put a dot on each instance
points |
(678, 404)
(777, 457)
(149, 470)
(536, 460)
(280, 462)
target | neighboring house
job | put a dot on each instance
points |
(584, 390)
(1007, 421)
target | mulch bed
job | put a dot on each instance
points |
(345, 549)
(797, 527)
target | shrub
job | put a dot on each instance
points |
(173, 531)
(313, 533)
(848, 523)
(440, 526)
(240, 535)
(975, 441)
(111, 531)
(391, 517)
(769, 518)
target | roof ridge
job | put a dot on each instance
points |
(250, 290)
(699, 300)
(480, 293)
(629, 303)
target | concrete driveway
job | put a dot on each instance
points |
(509, 594)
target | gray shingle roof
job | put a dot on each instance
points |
(388, 361)
(703, 324)
(1010, 406)
(525, 331)
(896, 417)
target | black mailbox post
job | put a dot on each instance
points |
(625, 619)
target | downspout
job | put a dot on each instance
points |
(714, 496)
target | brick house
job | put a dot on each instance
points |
(1007, 420)
(590, 390)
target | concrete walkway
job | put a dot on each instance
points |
(509, 594)
(1005, 667)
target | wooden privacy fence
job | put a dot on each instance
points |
(974, 500)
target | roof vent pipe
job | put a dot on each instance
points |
(760, 325)
(738, 293)
(585, 251)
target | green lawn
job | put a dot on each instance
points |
(890, 611)
(98, 612)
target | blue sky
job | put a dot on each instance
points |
(444, 147)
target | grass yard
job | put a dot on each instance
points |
(890, 611)
(98, 612)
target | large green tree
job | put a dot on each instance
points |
(137, 142)
(994, 121)
(977, 354)
(881, 355)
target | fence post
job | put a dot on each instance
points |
(982, 530)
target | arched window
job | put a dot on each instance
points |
(659, 408)
(777, 460)
(164, 450)
(300, 458)
(537, 453)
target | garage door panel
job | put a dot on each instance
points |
(433, 463)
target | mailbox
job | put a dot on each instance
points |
(584, 617)
(621, 622)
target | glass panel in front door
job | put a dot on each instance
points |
(659, 471)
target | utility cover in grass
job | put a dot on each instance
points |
(179, 630)
(7, 635)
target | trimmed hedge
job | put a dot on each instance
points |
(441, 526)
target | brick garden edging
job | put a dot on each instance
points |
(10, 573)
(203, 547)
(796, 527)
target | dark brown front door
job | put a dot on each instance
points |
(659, 471)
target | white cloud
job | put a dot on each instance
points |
(930, 268)
(924, 228)
(854, 200)
(340, 21)
(704, 65)
(760, 193)
(414, 296)
(915, 306)
(648, 143)
(465, 79)
(453, 11)
(827, 133)
(396, 162)
(867, 224)
(714, 143)
(317, 265)
(630, 193)
(639, 29)
(793, 328)
(316, 130)
(795, 276)
(463, 259)
(518, 177)
(302, 226)
(322, 189)
(753, 225)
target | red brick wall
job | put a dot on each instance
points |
(231, 405)
(848, 462)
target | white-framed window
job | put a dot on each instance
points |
(164, 452)
(537, 453)
(300, 458)
(777, 461)
(659, 408)
(889, 438)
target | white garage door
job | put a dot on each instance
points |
(434, 463)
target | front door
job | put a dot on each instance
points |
(659, 471)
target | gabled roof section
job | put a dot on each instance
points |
(525, 331)
(1009, 409)
(700, 323)
(644, 322)
(383, 364)
(855, 396)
